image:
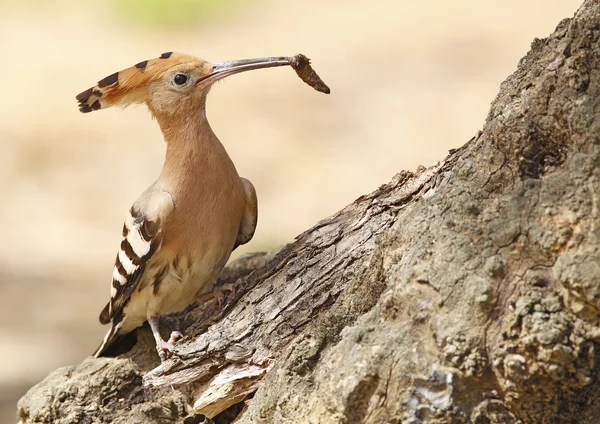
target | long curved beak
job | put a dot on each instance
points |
(225, 69)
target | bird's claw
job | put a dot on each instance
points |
(219, 294)
(166, 349)
(175, 337)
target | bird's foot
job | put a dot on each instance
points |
(166, 349)
(175, 337)
(219, 294)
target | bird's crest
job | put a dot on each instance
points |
(127, 86)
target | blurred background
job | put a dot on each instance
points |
(409, 80)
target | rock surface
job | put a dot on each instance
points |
(465, 292)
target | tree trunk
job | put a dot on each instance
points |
(468, 292)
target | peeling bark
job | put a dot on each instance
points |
(466, 292)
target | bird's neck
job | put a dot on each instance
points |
(193, 150)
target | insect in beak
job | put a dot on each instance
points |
(300, 63)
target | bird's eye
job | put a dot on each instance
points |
(180, 79)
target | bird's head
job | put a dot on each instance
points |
(170, 84)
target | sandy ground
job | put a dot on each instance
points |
(409, 81)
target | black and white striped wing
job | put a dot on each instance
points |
(142, 238)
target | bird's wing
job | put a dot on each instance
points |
(143, 235)
(142, 238)
(250, 218)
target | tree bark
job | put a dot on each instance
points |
(467, 292)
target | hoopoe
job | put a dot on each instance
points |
(180, 232)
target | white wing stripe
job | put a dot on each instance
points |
(130, 222)
(140, 246)
(118, 277)
(128, 265)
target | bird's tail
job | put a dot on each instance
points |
(111, 337)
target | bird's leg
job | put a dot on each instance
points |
(165, 349)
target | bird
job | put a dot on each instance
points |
(180, 232)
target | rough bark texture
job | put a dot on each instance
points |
(465, 292)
